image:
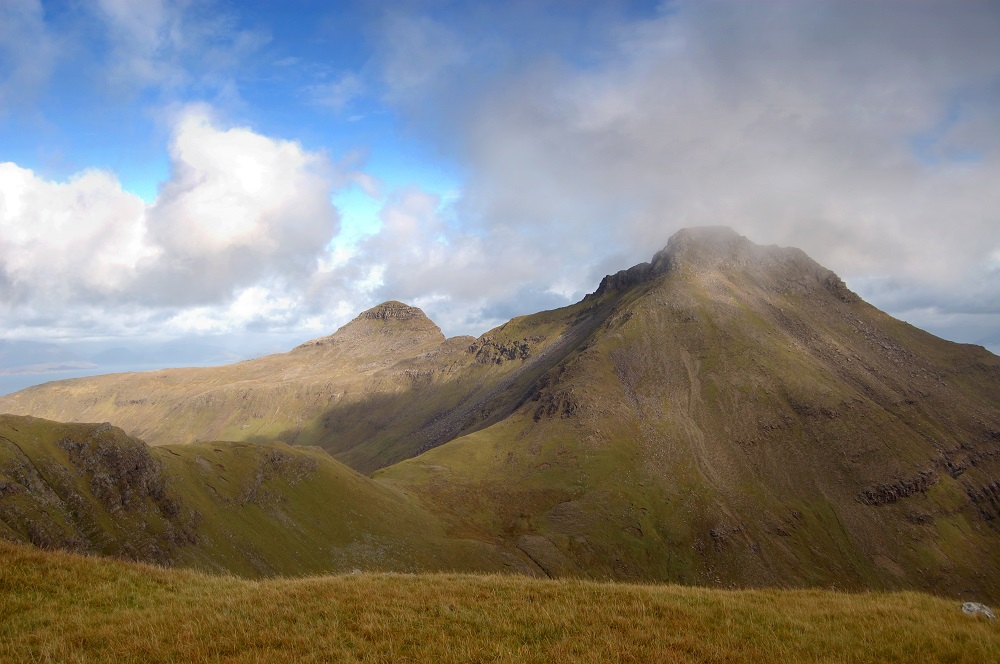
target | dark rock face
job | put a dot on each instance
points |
(625, 279)
(986, 499)
(891, 492)
(489, 350)
(392, 310)
(55, 505)
(123, 474)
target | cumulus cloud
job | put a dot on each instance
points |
(238, 207)
(61, 240)
(240, 212)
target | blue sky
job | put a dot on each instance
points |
(290, 70)
(253, 174)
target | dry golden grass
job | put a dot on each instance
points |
(57, 607)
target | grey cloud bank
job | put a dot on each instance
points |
(865, 133)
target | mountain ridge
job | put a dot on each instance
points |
(726, 414)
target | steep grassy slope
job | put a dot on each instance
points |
(741, 418)
(235, 507)
(60, 607)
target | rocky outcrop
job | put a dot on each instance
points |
(624, 279)
(392, 310)
(276, 463)
(891, 492)
(977, 609)
(106, 477)
(986, 498)
(490, 350)
(122, 473)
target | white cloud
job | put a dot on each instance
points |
(80, 238)
(239, 206)
(242, 222)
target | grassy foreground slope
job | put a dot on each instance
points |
(68, 608)
(253, 510)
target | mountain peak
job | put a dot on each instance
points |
(702, 246)
(385, 328)
(392, 310)
(705, 243)
(705, 249)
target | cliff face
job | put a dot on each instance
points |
(89, 488)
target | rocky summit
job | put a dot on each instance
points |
(387, 319)
(727, 414)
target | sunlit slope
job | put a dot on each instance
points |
(61, 607)
(258, 399)
(236, 507)
(385, 387)
(742, 418)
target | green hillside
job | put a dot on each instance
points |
(742, 420)
(233, 507)
(67, 608)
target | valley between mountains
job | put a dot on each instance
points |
(727, 414)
